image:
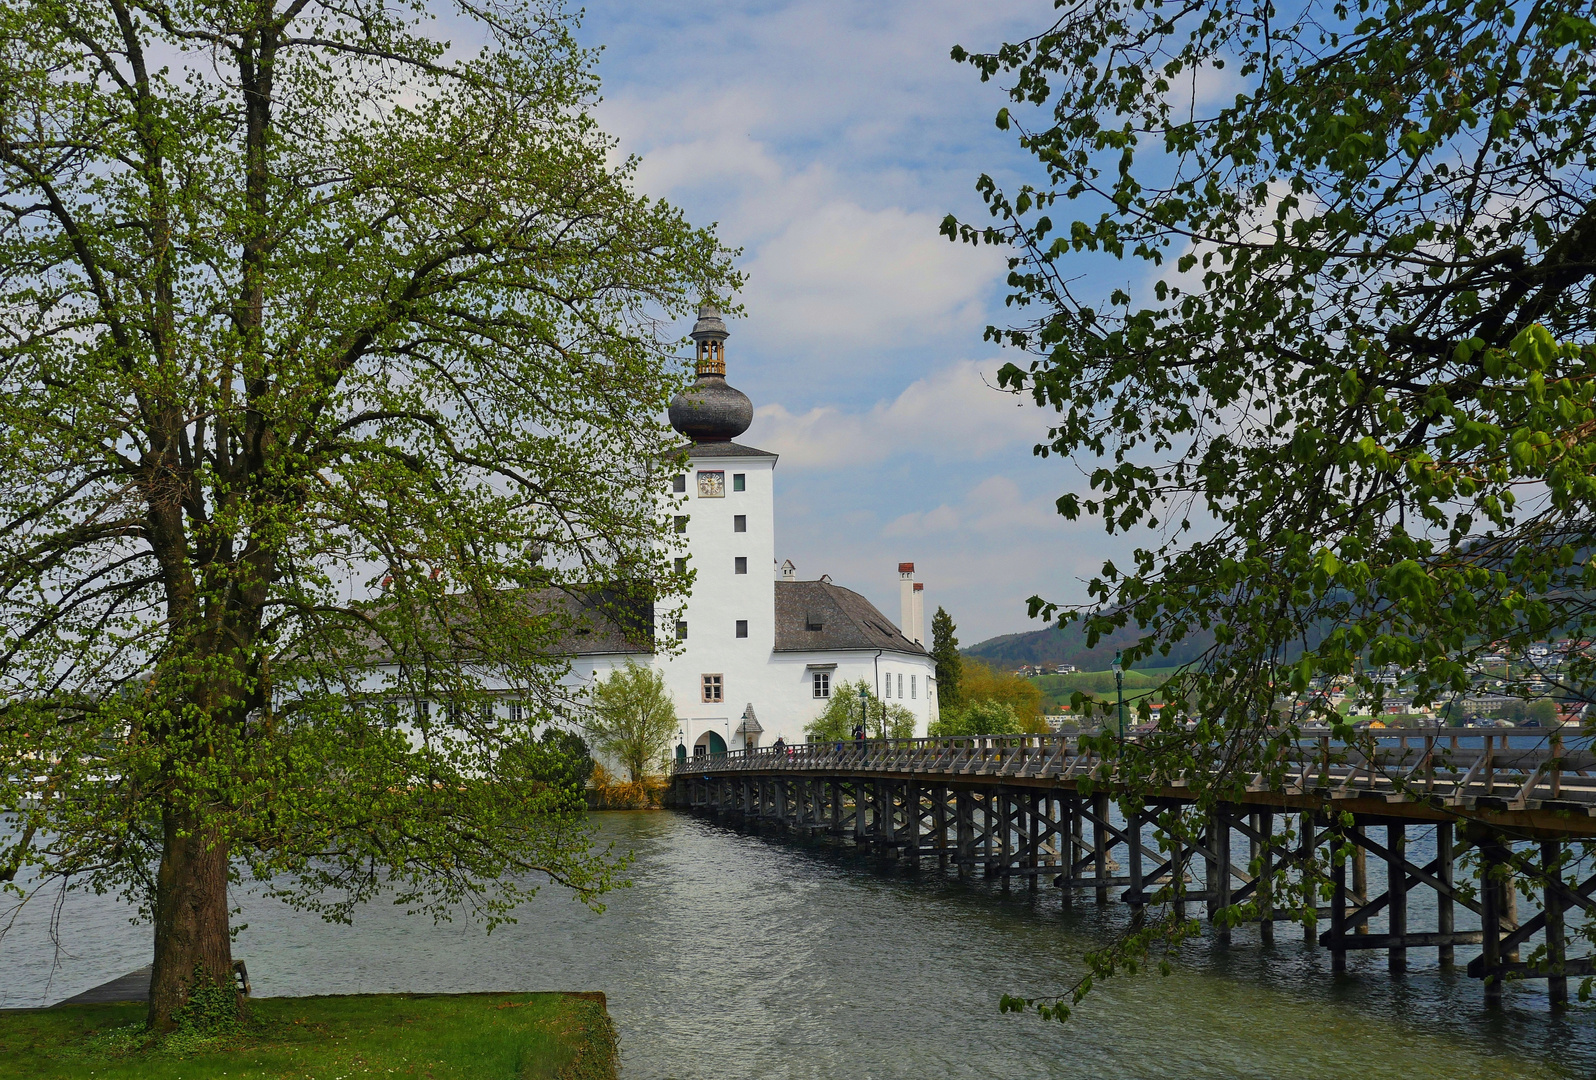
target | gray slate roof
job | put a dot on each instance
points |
(597, 621)
(584, 622)
(846, 620)
(601, 622)
(721, 449)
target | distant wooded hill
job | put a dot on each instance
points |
(1055, 646)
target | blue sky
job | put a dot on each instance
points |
(828, 138)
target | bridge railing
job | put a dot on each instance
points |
(1454, 764)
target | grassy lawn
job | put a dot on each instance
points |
(1139, 682)
(436, 1036)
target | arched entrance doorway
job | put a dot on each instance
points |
(709, 743)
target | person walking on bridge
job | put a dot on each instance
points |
(781, 746)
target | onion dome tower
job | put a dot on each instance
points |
(710, 411)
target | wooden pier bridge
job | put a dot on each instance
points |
(1017, 807)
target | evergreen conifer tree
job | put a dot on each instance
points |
(945, 651)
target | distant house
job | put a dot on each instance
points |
(1573, 712)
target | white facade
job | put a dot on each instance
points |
(730, 531)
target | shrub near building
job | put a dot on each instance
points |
(991, 702)
(982, 682)
(842, 716)
(977, 718)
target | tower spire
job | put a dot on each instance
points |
(710, 333)
(709, 410)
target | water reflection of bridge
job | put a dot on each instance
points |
(1039, 807)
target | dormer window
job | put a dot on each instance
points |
(812, 622)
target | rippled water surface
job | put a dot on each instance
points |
(735, 956)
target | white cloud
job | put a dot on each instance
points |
(981, 553)
(953, 414)
(994, 506)
(821, 136)
(825, 270)
(844, 275)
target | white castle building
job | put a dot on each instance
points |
(758, 651)
(756, 654)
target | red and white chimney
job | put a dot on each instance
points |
(912, 596)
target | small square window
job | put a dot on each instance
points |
(681, 566)
(712, 485)
(742, 627)
(679, 484)
(712, 688)
(740, 523)
(740, 564)
(822, 684)
(681, 524)
(739, 481)
(681, 631)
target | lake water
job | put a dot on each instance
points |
(737, 956)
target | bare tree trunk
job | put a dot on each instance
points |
(191, 925)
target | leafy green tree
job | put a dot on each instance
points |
(631, 718)
(950, 665)
(986, 717)
(1543, 712)
(1360, 266)
(333, 358)
(1349, 339)
(1362, 269)
(841, 716)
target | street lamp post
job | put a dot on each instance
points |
(1119, 688)
(864, 710)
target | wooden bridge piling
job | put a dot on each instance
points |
(1397, 889)
(1015, 807)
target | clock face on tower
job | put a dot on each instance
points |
(711, 485)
